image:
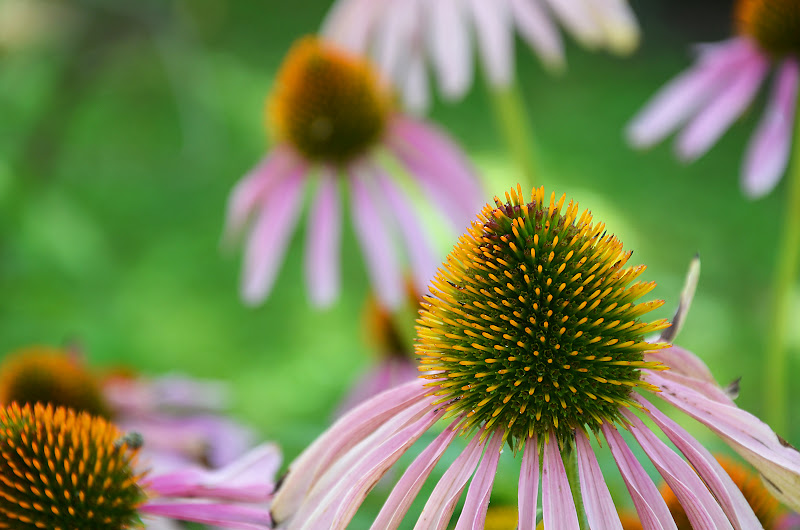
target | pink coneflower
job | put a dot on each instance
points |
(335, 125)
(405, 35)
(725, 79)
(532, 338)
(61, 469)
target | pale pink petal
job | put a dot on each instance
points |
(254, 188)
(687, 294)
(222, 514)
(440, 505)
(495, 35)
(348, 431)
(709, 389)
(714, 119)
(423, 258)
(473, 515)
(350, 23)
(323, 241)
(558, 508)
(528, 493)
(337, 508)
(776, 460)
(768, 151)
(407, 488)
(248, 479)
(394, 38)
(576, 16)
(173, 392)
(376, 242)
(619, 24)
(721, 485)
(450, 47)
(597, 502)
(701, 508)
(414, 84)
(679, 99)
(538, 30)
(652, 510)
(270, 237)
(682, 362)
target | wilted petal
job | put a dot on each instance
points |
(768, 151)
(687, 294)
(558, 507)
(473, 515)
(599, 506)
(323, 241)
(528, 494)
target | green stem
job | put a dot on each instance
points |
(785, 280)
(510, 113)
(570, 458)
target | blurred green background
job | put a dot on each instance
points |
(123, 126)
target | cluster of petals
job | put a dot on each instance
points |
(405, 35)
(706, 99)
(328, 482)
(271, 196)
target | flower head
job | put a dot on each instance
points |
(404, 35)
(725, 79)
(532, 337)
(335, 125)
(61, 469)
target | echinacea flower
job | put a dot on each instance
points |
(62, 470)
(532, 337)
(405, 36)
(712, 94)
(336, 125)
(182, 419)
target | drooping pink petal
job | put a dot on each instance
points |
(687, 294)
(703, 511)
(495, 37)
(348, 431)
(248, 479)
(323, 241)
(255, 187)
(679, 99)
(768, 150)
(776, 460)
(377, 242)
(714, 119)
(652, 510)
(721, 485)
(337, 508)
(473, 514)
(528, 494)
(221, 514)
(270, 236)
(423, 258)
(618, 24)
(450, 47)
(597, 502)
(576, 16)
(558, 507)
(407, 488)
(538, 30)
(437, 511)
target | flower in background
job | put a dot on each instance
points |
(403, 35)
(706, 99)
(532, 337)
(335, 124)
(182, 419)
(63, 469)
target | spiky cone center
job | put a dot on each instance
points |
(774, 24)
(65, 470)
(327, 104)
(764, 505)
(41, 374)
(531, 326)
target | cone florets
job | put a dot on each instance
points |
(532, 327)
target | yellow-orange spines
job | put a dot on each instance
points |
(327, 104)
(532, 327)
(64, 470)
(41, 374)
(774, 24)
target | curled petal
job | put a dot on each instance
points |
(687, 294)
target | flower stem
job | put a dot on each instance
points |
(510, 113)
(785, 280)
(570, 458)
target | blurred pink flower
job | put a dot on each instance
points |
(726, 77)
(517, 352)
(335, 123)
(404, 35)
